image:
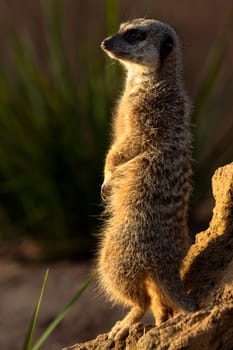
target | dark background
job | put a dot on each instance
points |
(57, 92)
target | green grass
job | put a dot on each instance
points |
(53, 133)
(30, 333)
(29, 343)
(211, 151)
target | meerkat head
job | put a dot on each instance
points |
(146, 43)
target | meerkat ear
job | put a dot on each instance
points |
(166, 46)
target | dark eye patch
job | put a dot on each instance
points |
(166, 46)
(134, 35)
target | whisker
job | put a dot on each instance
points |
(110, 64)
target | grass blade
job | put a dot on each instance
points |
(208, 83)
(61, 314)
(111, 8)
(29, 337)
(214, 63)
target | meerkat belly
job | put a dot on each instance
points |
(148, 189)
(150, 202)
(123, 264)
(148, 209)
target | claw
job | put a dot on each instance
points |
(119, 331)
(105, 190)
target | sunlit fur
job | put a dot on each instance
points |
(147, 181)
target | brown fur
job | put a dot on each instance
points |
(147, 181)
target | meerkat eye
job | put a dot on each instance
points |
(166, 46)
(134, 35)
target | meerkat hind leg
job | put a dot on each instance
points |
(121, 328)
(159, 307)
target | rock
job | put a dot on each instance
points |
(207, 274)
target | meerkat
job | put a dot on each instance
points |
(147, 178)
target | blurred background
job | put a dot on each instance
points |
(57, 92)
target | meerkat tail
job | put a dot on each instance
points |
(167, 294)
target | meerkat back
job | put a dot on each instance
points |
(147, 173)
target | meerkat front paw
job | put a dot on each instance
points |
(106, 187)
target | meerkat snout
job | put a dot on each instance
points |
(107, 44)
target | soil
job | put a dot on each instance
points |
(20, 288)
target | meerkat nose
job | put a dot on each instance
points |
(107, 44)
